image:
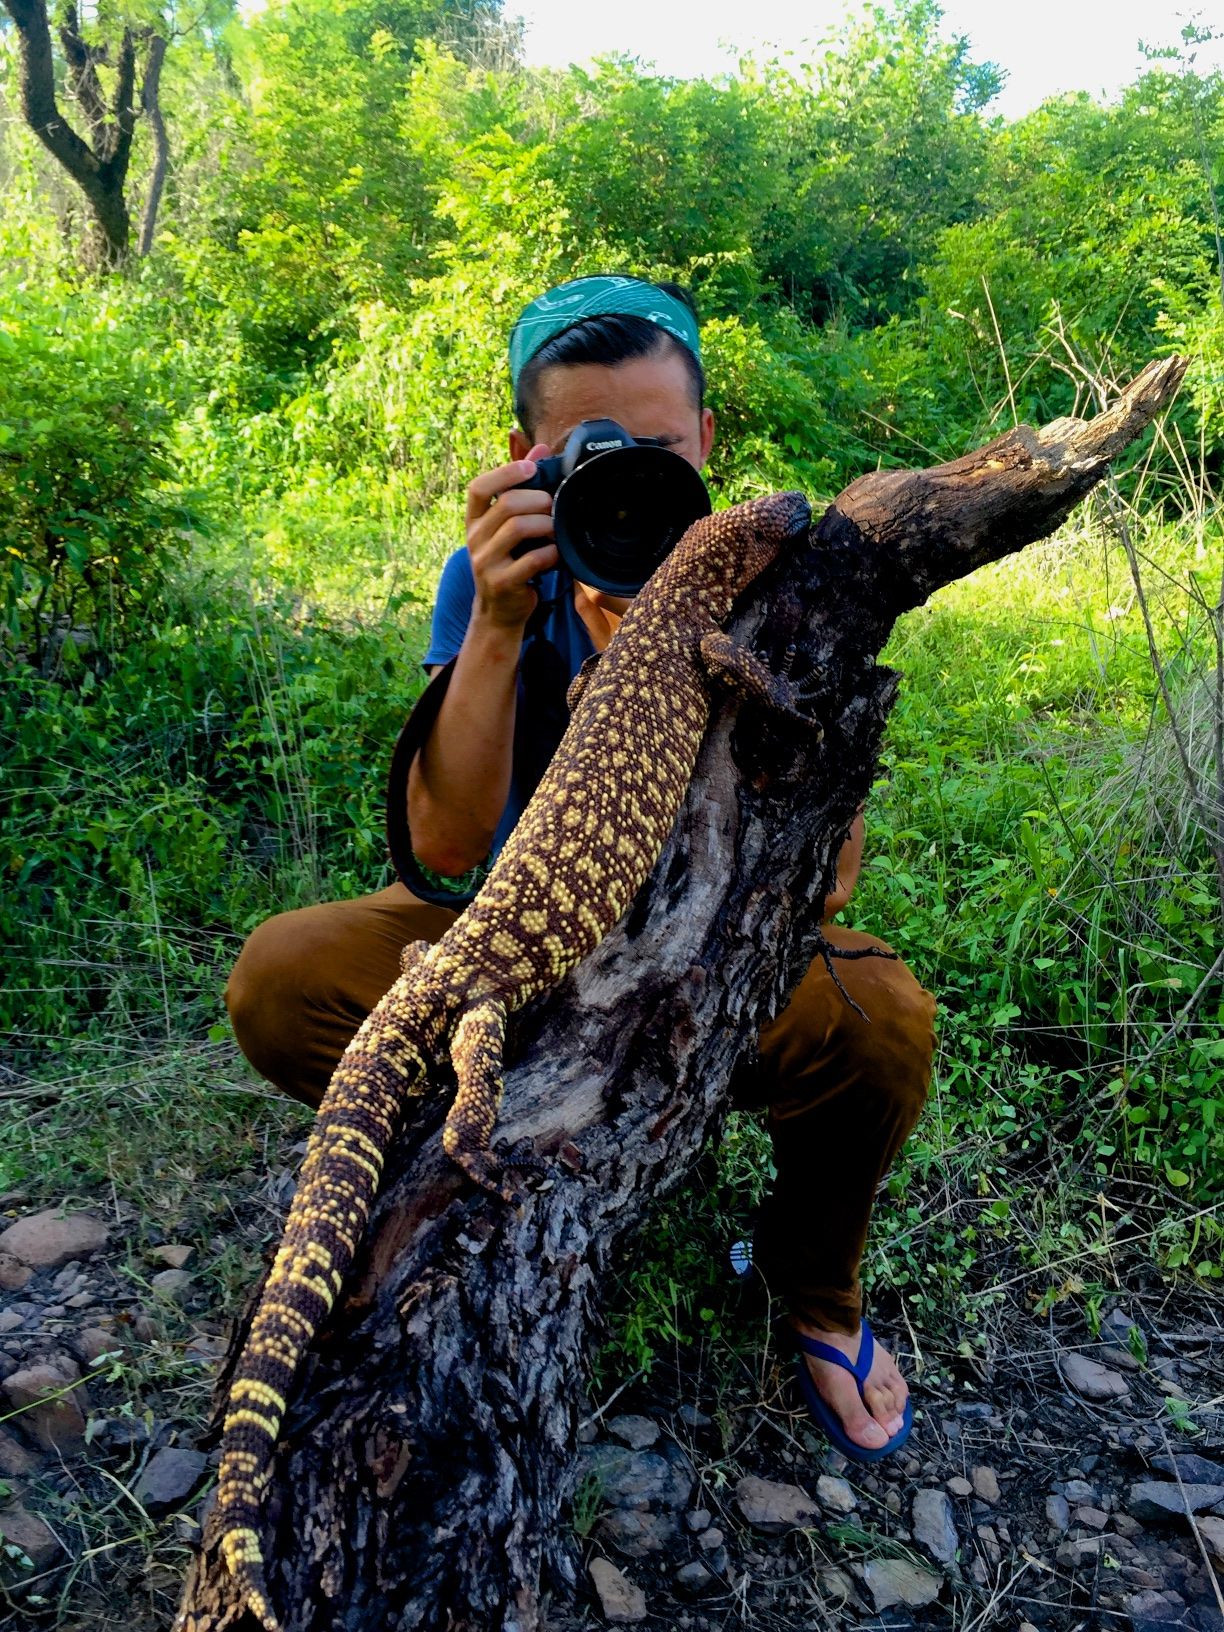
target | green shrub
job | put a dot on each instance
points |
(229, 766)
(88, 523)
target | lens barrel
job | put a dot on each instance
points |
(620, 514)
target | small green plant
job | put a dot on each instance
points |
(587, 1504)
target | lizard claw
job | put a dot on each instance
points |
(488, 1171)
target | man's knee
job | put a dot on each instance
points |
(305, 981)
(269, 996)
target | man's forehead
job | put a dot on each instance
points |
(648, 396)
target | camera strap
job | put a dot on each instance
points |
(540, 724)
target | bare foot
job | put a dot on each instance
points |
(874, 1419)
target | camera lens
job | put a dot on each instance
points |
(619, 515)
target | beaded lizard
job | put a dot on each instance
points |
(582, 849)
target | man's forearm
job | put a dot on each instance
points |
(460, 781)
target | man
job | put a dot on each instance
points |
(510, 629)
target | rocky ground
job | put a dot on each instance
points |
(1071, 1481)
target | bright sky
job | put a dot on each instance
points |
(1046, 46)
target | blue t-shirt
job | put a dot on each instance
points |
(557, 622)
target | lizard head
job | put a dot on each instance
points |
(754, 533)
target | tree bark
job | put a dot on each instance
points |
(150, 101)
(423, 1465)
(98, 166)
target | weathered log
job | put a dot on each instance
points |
(423, 1466)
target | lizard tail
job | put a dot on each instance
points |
(340, 1177)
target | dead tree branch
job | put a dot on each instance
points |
(423, 1467)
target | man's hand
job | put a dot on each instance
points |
(501, 518)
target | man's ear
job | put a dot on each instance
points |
(707, 433)
(520, 444)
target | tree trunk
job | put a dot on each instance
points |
(424, 1461)
(150, 101)
(98, 166)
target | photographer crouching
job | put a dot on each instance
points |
(612, 432)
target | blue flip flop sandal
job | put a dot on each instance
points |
(860, 1370)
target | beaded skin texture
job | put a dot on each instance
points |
(582, 849)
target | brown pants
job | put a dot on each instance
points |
(841, 1094)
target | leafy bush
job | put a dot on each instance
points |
(88, 523)
(226, 768)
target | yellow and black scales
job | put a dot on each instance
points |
(582, 849)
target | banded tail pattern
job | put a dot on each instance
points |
(386, 1063)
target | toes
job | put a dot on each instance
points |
(881, 1402)
(858, 1423)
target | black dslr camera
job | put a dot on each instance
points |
(620, 505)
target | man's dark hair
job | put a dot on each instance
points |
(606, 339)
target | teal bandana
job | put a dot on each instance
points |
(563, 307)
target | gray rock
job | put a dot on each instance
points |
(13, 1273)
(1212, 1532)
(835, 1495)
(206, 1348)
(698, 1519)
(775, 1508)
(92, 1342)
(838, 1588)
(21, 1528)
(123, 1433)
(1091, 1518)
(10, 1320)
(959, 1487)
(660, 1479)
(1079, 1490)
(692, 1417)
(693, 1579)
(974, 1410)
(169, 1478)
(1193, 1470)
(1075, 1554)
(1093, 1381)
(896, 1581)
(1123, 1359)
(171, 1283)
(175, 1255)
(989, 1542)
(986, 1485)
(1126, 1526)
(1057, 1511)
(15, 1460)
(622, 1602)
(709, 1541)
(934, 1525)
(1118, 1322)
(635, 1534)
(52, 1411)
(639, 1433)
(1162, 1611)
(81, 1300)
(1153, 1499)
(48, 1239)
